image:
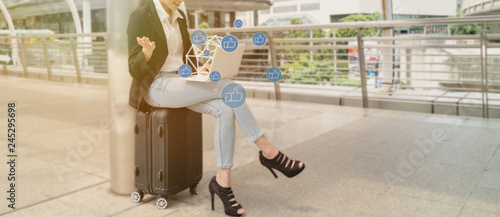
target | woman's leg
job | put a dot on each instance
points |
(224, 133)
(171, 92)
(224, 130)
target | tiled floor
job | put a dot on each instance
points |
(360, 162)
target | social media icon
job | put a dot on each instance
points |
(259, 39)
(206, 53)
(215, 76)
(198, 37)
(238, 23)
(229, 43)
(185, 70)
(273, 74)
(233, 95)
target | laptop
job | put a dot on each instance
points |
(227, 64)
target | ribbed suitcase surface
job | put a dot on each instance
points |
(168, 151)
(142, 153)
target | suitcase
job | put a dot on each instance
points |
(168, 153)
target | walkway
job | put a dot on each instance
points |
(360, 162)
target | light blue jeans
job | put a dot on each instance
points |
(169, 91)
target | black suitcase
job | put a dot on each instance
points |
(168, 153)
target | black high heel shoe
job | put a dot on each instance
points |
(282, 163)
(226, 195)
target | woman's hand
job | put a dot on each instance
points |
(147, 47)
(204, 69)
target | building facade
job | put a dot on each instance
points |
(55, 14)
(330, 11)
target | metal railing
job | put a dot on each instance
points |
(472, 6)
(430, 68)
(58, 55)
(418, 68)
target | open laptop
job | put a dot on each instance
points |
(227, 64)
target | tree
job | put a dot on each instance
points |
(351, 32)
(465, 29)
(204, 25)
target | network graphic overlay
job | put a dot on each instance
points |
(200, 52)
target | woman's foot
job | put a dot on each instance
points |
(231, 207)
(268, 150)
(282, 163)
(270, 154)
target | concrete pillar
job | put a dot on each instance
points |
(196, 20)
(232, 18)
(87, 25)
(218, 20)
(387, 57)
(255, 18)
(122, 116)
(87, 16)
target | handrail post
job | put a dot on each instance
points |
(335, 58)
(20, 45)
(484, 71)
(362, 70)
(75, 61)
(47, 59)
(481, 44)
(274, 63)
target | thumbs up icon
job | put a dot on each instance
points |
(259, 39)
(274, 75)
(229, 44)
(235, 96)
(215, 76)
(198, 38)
(238, 23)
(185, 70)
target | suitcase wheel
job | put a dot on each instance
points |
(137, 196)
(161, 203)
(195, 189)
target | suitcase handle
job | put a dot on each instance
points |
(160, 175)
(136, 170)
(160, 131)
(136, 129)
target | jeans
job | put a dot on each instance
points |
(170, 91)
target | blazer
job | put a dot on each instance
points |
(144, 21)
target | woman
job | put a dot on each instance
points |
(158, 40)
